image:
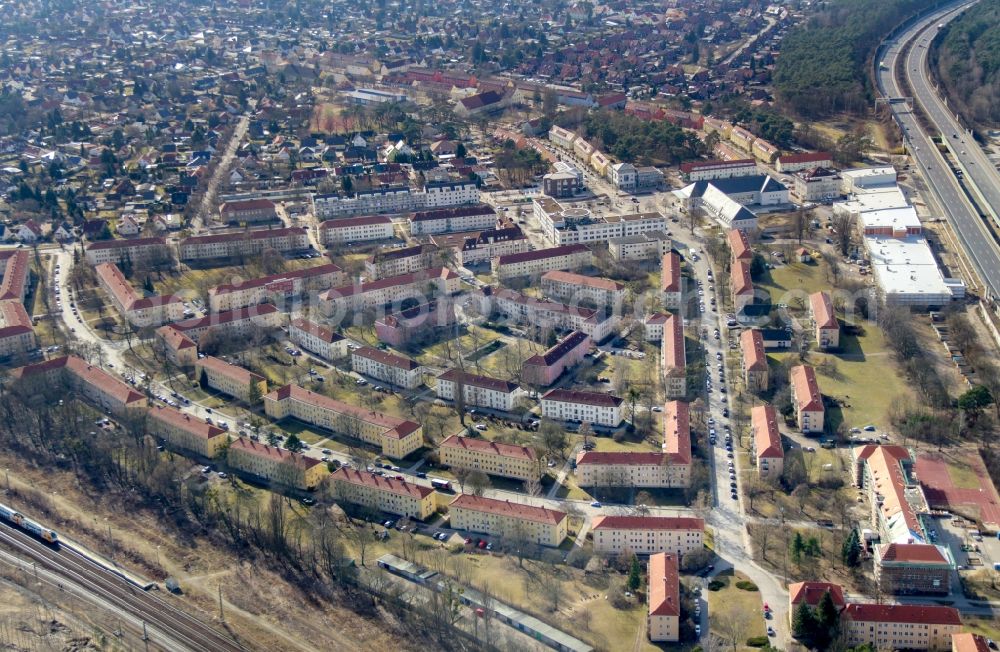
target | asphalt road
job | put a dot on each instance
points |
(966, 221)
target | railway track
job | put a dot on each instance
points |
(164, 621)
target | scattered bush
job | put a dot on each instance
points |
(757, 641)
(746, 585)
(716, 585)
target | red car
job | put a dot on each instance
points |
(482, 545)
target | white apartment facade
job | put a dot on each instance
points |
(355, 229)
(388, 367)
(477, 391)
(317, 338)
(592, 407)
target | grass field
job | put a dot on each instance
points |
(732, 604)
(866, 381)
(789, 283)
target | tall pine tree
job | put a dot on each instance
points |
(804, 624)
(634, 578)
(827, 622)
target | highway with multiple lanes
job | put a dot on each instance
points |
(965, 219)
(167, 626)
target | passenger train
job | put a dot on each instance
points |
(14, 517)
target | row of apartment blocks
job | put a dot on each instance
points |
(395, 436)
(476, 247)
(669, 468)
(156, 250)
(426, 284)
(139, 310)
(575, 289)
(576, 224)
(180, 430)
(395, 199)
(180, 339)
(17, 332)
(276, 288)
(542, 313)
(934, 628)
(531, 263)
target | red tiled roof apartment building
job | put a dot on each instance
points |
(232, 323)
(664, 598)
(243, 243)
(387, 366)
(756, 373)
(575, 289)
(806, 398)
(398, 328)
(646, 535)
(900, 626)
(741, 285)
(355, 229)
(673, 358)
(461, 218)
(543, 369)
(317, 339)
(139, 310)
(827, 328)
(530, 263)
(669, 468)
(739, 245)
(230, 379)
(494, 458)
(507, 519)
(671, 290)
(95, 384)
(275, 464)
(136, 250)
(16, 270)
(397, 437)
(249, 211)
(477, 391)
(188, 433)
(542, 313)
(768, 453)
(424, 284)
(383, 494)
(593, 407)
(912, 569)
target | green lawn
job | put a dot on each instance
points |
(794, 277)
(730, 603)
(867, 381)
